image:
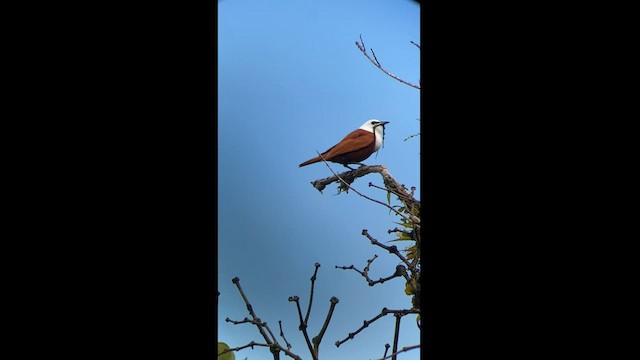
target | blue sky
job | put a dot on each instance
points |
(292, 81)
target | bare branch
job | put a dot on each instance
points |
(270, 346)
(386, 349)
(313, 349)
(406, 348)
(261, 326)
(418, 46)
(376, 59)
(313, 280)
(405, 195)
(303, 325)
(316, 340)
(406, 232)
(392, 249)
(251, 345)
(375, 62)
(348, 177)
(282, 334)
(366, 323)
(396, 336)
(400, 271)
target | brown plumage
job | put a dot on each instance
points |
(355, 147)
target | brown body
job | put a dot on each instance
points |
(354, 148)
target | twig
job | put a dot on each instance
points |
(364, 272)
(246, 320)
(261, 328)
(313, 280)
(338, 177)
(316, 340)
(270, 346)
(400, 271)
(303, 325)
(386, 349)
(406, 198)
(406, 348)
(251, 345)
(418, 46)
(392, 249)
(313, 349)
(366, 323)
(377, 63)
(406, 232)
(282, 334)
(348, 177)
(406, 195)
(396, 336)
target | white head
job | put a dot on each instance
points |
(376, 127)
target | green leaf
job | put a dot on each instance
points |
(389, 197)
(226, 356)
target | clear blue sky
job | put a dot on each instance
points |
(292, 81)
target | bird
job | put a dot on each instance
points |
(356, 146)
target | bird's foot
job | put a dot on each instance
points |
(348, 167)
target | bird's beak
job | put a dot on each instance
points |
(382, 123)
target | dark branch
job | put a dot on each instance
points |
(406, 232)
(400, 271)
(313, 348)
(261, 326)
(303, 325)
(349, 177)
(406, 348)
(392, 249)
(396, 335)
(270, 346)
(316, 340)
(366, 323)
(375, 62)
(282, 334)
(313, 280)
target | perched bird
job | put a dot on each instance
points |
(355, 147)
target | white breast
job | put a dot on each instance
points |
(379, 134)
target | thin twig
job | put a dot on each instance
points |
(406, 348)
(270, 346)
(400, 271)
(357, 192)
(396, 336)
(366, 323)
(313, 280)
(316, 340)
(349, 176)
(418, 46)
(386, 349)
(376, 59)
(236, 281)
(282, 334)
(375, 62)
(406, 232)
(404, 195)
(392, 249)
(303, 325)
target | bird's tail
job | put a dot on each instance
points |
(311, 161)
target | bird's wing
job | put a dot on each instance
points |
(356, 140)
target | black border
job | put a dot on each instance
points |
(120, 164)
